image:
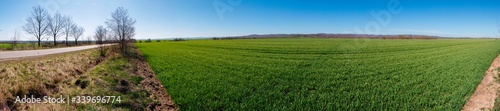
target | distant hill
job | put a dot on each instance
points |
(324, 35)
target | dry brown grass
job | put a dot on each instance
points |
(42, 76)
(82, 73)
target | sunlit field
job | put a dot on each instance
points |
(321, 74)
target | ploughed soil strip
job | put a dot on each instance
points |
(153, 85)
(486, 92)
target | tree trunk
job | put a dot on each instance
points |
(67, 40)
(55, 43)
(122, 45)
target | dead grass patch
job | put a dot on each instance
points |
(82, 73)
(41, 76)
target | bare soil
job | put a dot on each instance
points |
(153, 85)
(486, 92)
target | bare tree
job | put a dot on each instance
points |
(122, 27)
(56, 24)
(15, 40)
(77, 32)
(37, 24)
(89, 39)
(100, 36)
(67, 28)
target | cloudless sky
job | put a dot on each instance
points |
(208, 18)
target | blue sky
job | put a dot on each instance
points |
(207, 18)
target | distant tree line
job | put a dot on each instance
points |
(324, 35)
(160, 40)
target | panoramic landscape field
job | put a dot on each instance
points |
(324, 74)
(250, 55)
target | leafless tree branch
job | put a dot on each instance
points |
(100, 34)
(99, 37)
(67, 27)
(37, 24)
(77, 32)
(121, 27)
(89, 39)
(56, 24)
(15, 40)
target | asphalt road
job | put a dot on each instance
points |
(30, 53)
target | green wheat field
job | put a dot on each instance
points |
(321, 74)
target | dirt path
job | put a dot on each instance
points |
(486, 92)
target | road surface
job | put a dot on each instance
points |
(30, 53)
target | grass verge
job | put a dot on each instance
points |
(82, 73)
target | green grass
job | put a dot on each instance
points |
(111, 72)
(5, 46)
(321, 74)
